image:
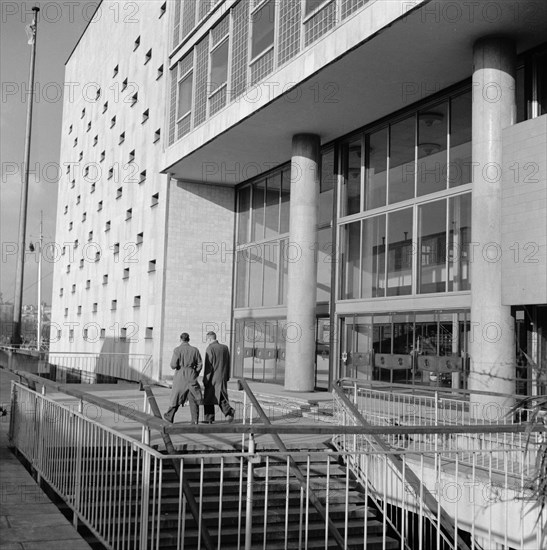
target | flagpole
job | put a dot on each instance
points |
(20, 272)
(39, 335)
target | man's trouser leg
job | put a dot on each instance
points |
(209, 406)
(224, 403)
(170, 414)
(194, 408)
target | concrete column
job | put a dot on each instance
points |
(302, 254)
(491, 346)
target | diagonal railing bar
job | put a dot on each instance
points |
(192, 504)
(406, 473)
(295, 469)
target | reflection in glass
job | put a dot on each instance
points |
(241, 279)
(324, 263)
(257, 232)
(401, 160)
(376, 174)
(374, 257)
(432, 247)
(263, 22)
(271, 255)
(244, 213)
(460, 140)
(459, 237)
(432, 136)
(254, 257)
(219, 67)
(399, 253)
(352, 164)
(326, 195)
(285, 197)
(273, 188)
(284, 271)
(352, 260)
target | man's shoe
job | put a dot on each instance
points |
(208, 421)
(230, 417)
(167, 419)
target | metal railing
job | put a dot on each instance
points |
(128, 495)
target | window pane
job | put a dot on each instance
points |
(311, 5)
(324, 263)
(352, 164)
(271, 258)
(376, 180)
(241, 279)
(283, 272)
(460, 140)
(541, 68)
(432, 136)
(254, 256)
(219, 67)
(285, 196)
(459, 237)
(520, 93)
(326, 196)
(185, 95)
(258, 211)
(374, 257)
(352, 247)
(432, 247)
(244, 213)
(401, 161)
(273, 188)
(263, 28)
(399, 253)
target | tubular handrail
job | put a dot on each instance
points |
(406, 473)
(294, 468)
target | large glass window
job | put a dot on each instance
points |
(376, 175)
(185, 95)
(324, 263)
(273, 190)
(259, 190)
(255, 258)
(432, 247)
(401, 160)
(432, 137)
(326, 195)
(244, 214)
(399, 253)
(460, 140)
(242, 279)
(263, 24)
(219, 66)
(459, 237)
(352, 260)
(374, 257)
(352, 177)
(271, 264)
(284, 216)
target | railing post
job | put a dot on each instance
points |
(78, 473)
(13, 409)
(249, 507)
(145, 495)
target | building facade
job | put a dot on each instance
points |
(350, 188)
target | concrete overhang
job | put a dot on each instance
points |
(382, 61)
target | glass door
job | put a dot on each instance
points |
(322, 354)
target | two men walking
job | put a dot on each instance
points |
(187, 364)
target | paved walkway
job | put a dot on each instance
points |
(28, 519)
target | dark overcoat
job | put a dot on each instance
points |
(217, 370)
(186, 363)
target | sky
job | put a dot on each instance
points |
(60, 25)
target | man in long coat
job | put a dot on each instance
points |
(186, 363)
(215, 378)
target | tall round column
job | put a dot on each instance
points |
(491, 342)
(302, 263)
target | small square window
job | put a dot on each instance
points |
(155, 199)
(163, 9)
(98, 94)
(66, 312)
(114, 305)
(95, 140)
(73, 289)
(88, 284)
(149, 333)
(92, 190)
(73, 184)
(137, 43)
(157, 135)
(85, 334)
(116, 70)
(142, 177)
(63, 251)
(95, 307)
(126, 273)
(81, 263)
(86, 171)
(78, 199)
(83, 113)
(81, 155)
(145, 116)
(111, 172)
(140, 238)
(107, 226)
(88, 126)
(137, 301)
(75, 142)
(132, 156)
(70, 129)
(124, 84)
(68, 169)
(122, 138)
(61, 291)
(105, 279)
(84, 216)
(123, 334)
(90, 236)
(103, 156)
(79, 310)
(105, 107)
(119, 192)
(116, 248)
(71, 335)
(68, 268)
(59, 332)
(76, 243)
(70, 226)
(99, 205)
(128, 214)
(113, 122)
(159, 74)
(151, 266)
(66, 208)
(97, 255)
(148, 56)
(134, 98)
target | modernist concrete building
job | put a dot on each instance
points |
(339, 188)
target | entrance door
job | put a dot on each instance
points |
(322, 354)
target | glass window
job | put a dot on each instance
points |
(399, 253)
(185, 95)
(312, 5)
(219, 66)
(284, 271)
(401, 160)
(352, 248)
(381, 334)
(432, 247)
(263, 22)
(541, 79)
(352, 177)
(459, 237)
(374, 257)
(255, 258)
(460, 140)
(271, 260)
(324, 263)
(242, 264)
(257, 232)
(244, 214)
(432, 137)
(273, 189)
(326, 195)
(376, 175)
(285, 197)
